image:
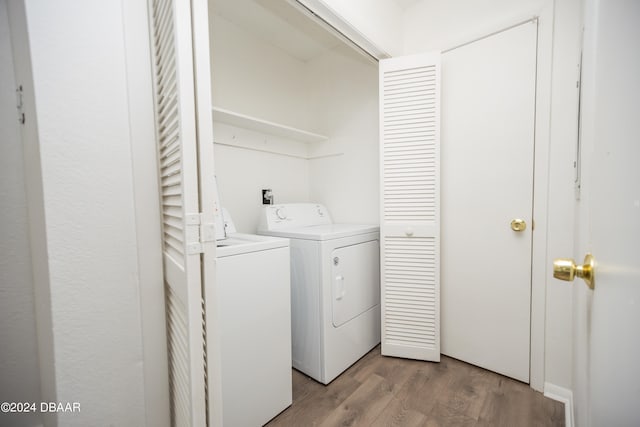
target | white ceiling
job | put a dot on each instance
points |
(404, 4)
(280, 24)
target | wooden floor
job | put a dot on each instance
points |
(386, 391)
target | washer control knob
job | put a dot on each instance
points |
(280, 213)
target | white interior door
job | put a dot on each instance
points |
(488, 111)
(607, 341)
(182, 121)
(410, 223)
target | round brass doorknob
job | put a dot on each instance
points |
(566, 269)
(518, 224)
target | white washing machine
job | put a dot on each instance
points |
(335, 287)
(254, 294)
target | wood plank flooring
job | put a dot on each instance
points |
(384, 391)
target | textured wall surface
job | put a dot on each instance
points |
(80, 86)
(19, 370)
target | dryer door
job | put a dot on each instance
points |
(355, 280)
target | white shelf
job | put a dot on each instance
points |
(264, 126)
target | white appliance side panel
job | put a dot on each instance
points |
(306, 301)
(255, 316)
(355, 278)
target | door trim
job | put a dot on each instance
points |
(539, 260)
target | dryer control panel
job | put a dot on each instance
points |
(293, 215)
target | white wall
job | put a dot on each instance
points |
(345, 98)
(19, 366)
(36, 208)
(255, 78)
(437, 25)
(241, 174)
(87, 260)
(252, 77)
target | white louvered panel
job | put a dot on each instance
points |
(410, 291)
(409, 144)
(409, 136)
(177, 168)
(168, 131)
(177, 339)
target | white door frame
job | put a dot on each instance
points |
(539, 258)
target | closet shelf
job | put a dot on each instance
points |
(264, 126)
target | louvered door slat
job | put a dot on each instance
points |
(177, 167)
(409, 134)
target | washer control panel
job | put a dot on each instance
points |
(293, 215)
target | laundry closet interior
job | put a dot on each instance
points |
(295, 110)
(307, 114)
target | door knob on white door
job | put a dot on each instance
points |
(566, 269)
(518, 224)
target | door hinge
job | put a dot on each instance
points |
(207, 228)
(199, 230)
(20, 105)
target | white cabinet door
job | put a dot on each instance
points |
(410, 199)
(188, 238)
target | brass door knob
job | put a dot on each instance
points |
(518, 224)
(566, 269)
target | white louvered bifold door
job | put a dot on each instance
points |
(410, 200)
(173, 69)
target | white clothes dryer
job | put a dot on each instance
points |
(335, 287)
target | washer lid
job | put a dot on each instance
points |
(240, 243)
(324, 232)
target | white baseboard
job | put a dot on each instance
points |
(563, 395)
